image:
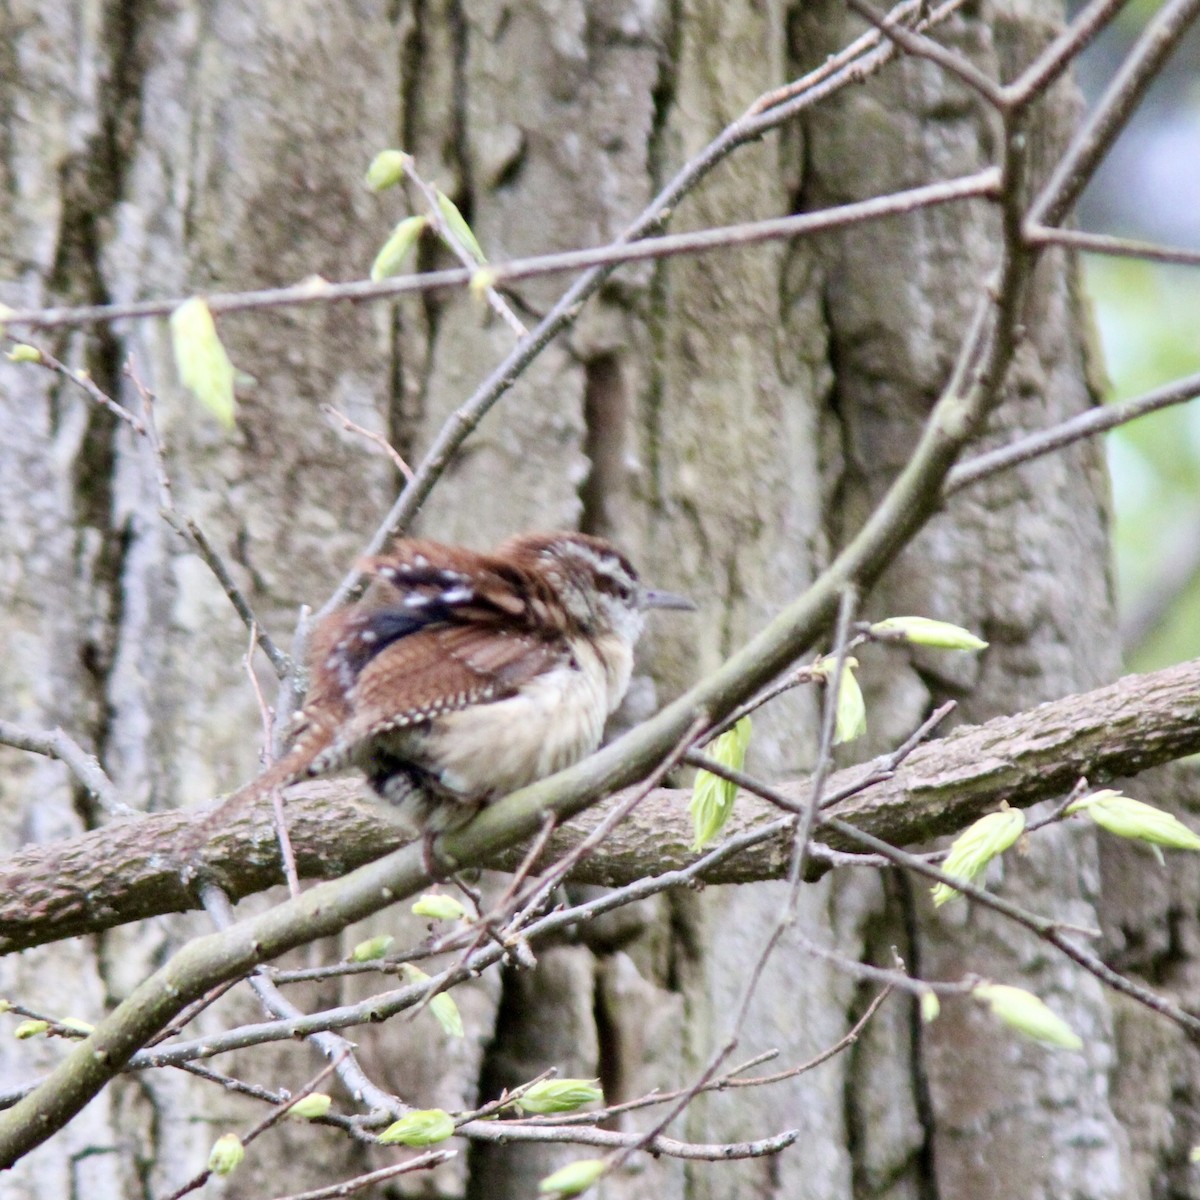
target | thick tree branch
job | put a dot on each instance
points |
(135, 869)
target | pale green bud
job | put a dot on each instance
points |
(439, 906)
(30, 1029)
(422, 1128)
(76, 1025)
(850, 720)
(1194, 1154)
(387, 169)
(1130, 818)
(5, 1005)
(458, 226)
(930, 1007)
(444, 1007)
(713, 797)
(482, 281)
(310, 1107)
(203, 365)
(395, 250)
(21, 353)
(1028, 1015)
(226, 1155)
(976, 846)
(572, 1179)
(559, 1095)
(923, 631)
(372, 948)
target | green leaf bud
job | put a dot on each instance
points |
(395, 250)
(976, 846)
(200, 358)
(387, 169)
(456, 223)
(559, 1095)
(372, 948)
(572, 1179)
(21, 353)
(424, 1127)
(923, 631)
(30, 1029)
(1028, 1015)
(226, 1154)
(439, 906)
(310, 1107)
(76, 1025)
(482, 281)
(1130, 818)
(713, 797)
(930, 1006)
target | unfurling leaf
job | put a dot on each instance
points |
(850, 720)
(713, 797)
(445, 1008)
(226, 1154)
(392, 254)
(387, 169)
(572, 1179)
(559, 1095)
(924, 631)
(424, 1127)
(1130, 818)
(22, 353)
(456, 223)
(203, 365)
(1027, 1014)
(30, 1029)
(976, 846)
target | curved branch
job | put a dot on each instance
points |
(135, 869)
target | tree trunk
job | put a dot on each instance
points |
(729, 419)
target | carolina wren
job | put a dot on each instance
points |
(459, 677)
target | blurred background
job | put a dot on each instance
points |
(1148, 318)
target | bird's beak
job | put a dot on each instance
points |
(654, 598)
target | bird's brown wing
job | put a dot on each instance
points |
(438, 669)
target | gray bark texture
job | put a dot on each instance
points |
(728, 419)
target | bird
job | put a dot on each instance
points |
(460, 676)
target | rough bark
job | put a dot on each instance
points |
(729, 419)
(66, 887)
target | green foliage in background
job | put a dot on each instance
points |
(1149, 322)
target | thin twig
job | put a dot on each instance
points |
(377, 438)
(1091, 144)
(286, 853)
(1058, 55)
(81, 379)
(276, 1114)
(1074, 429)
(336, 1049)
(454, 244)
(189, 529)
(55, 743)
(920, 46)
(1104, 243)
(423, 1162)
